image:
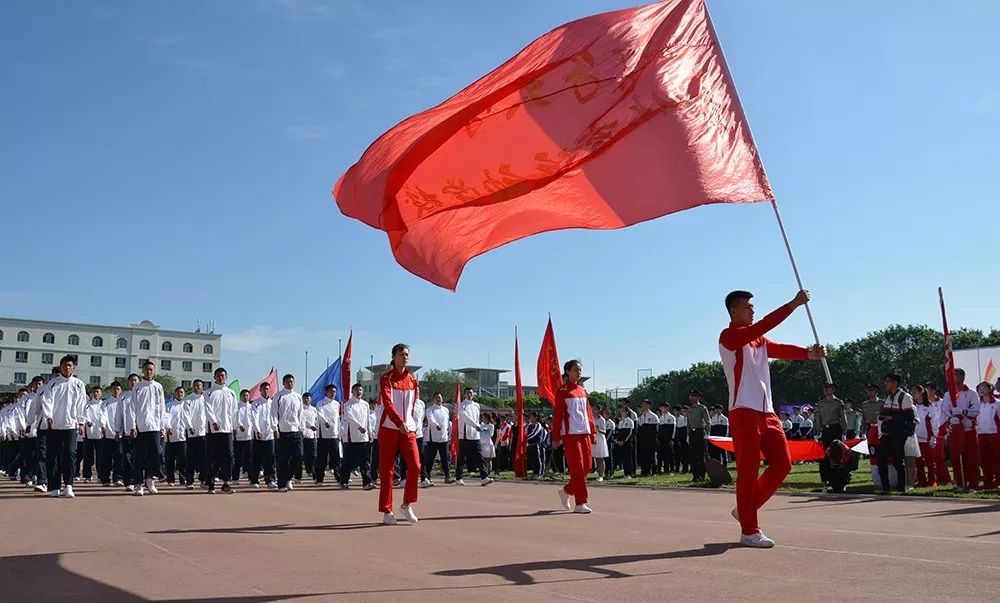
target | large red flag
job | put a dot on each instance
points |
(272, 378)
(549, 372)
(454, 423)
(602, 123)
(345, 371)
(949, 355)
(521, 451)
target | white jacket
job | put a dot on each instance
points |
(328, 413)
(144, 412)
(309, 428)
(243, 422)
(177, 422)
(468, 420)
(286, 411)
(63, 402)
(197, 418)
(220, 408)
(356, 417)
(438, 416)
(115, 418)
(94, 417)
(30, 409)
(419, 410)
(264, 423)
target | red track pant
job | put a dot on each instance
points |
(926, 465)
(391, 442)
(989, 458)
(579, 453)
(755, 433)
(964, 457)
(940, 465)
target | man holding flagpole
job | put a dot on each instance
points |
(755, 428)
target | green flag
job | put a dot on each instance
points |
(235, 386)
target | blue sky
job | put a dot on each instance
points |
(173, 162)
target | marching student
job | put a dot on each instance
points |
(756, 429)
(646, 426)
(928, 423)
(933, 395)
(309, 432)
(111, 443)
(796, 423)
(177, 429)
(665, 440)
(698, 424)
(265, 428)
(286, 411)
(470, 455)
(30, 406)
(486, 446)
(625, 443)
(197, 449)
(573, 429)
(374, 417)
(357, 430)
(961, 415)
(398, 394)
(328, 446)
(143, 421)
(438, 440)
(42, 428)
(61, 410)
(534, 436)
(94, 418)
(988, 432)
(127, 456)
(243, 428)
(220, 411)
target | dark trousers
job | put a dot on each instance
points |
(263, 460)
(327, 456)
(220, 457)
(28, 466)
(432, 451)
(714, 452)
(242, 457)
(60, 458)
(41, 464)
(10, 458)
(146, 456)
(105, 459)
(536, 459)
(558, 459)
(697, 453)
(196, 459)
(625, 453)
(289, 452)
(402, 464)
(89, 456)
(892, 445)
(647, 448)
(665, 449)
(470, 456)
(308, 458)
(373, 461)
(126, 460)
(827, 436)
(79, 456)
(176, 457)
(356, 456)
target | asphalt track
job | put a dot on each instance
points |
(503, 542)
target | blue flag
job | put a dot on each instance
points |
(331, 376)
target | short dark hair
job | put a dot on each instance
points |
(357, 385)
(735, 296)
(871, 387)
(148, 363)
(176, 389)
(830, 385)
(961, 372)
(287, 377)
(244, 391)
(137, 376)
(220, 370)
(68, 358)
(265, 384)
(894, 377)
(307, 395)
(37, 380)
(329, 387)
(55, 370)
(197, 381)
(931, 385)
(115, 384)
(22, 390)
(468, 389)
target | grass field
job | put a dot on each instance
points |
(804, 478)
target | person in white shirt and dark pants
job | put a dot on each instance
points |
(94, 418)
(309, 433)
(286, 411)
(220, 410)
(197, 459)
(470, 454)
(62, 410)
(243, 428)
(177, 426)
(265, 427)
(437, 440)
(357, 435)
(144, 420)
(328, 445)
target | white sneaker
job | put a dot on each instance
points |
(68, 492)
(54, 494)
(408, 513)
(388, 519)
(564, 499)
(757, 541)
(140, 491)
(600, 478)
(282, 489)
(151, 486)
(119, 482)
(41, 488)
(486, 481)
(255, 486)
(459, 482)
(30, 484)
(271, 485)
(189, 487)
(368, 487)
(583, 509)
(426, 483)
(130, 488)
(290, 485)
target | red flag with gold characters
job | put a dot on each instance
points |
(345, 372)
(521, 451)
(549, 371)
(454, 423)
(949, 355)
(601, 123)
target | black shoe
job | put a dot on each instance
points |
(227, 489)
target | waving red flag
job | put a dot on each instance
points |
(949, 355)
(521, 451)
(549, 372)
(345, 371)
(602, 123)
(454, 423)
(272, 378)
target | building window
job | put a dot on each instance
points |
(97, 342)
(186, 384)
(144, 344)
(95, 380)
(1, 335)
(164, 365)
(208, 349)
(186, 365)
(95, 361)
(120, 362)
(188, 348)
(142, 362)
(47, 358)
(20, 378)
(48, 338)
(167, 346)
(122, 343)
(73, 340)
(22, 357)
(23, 337)
(206, 367)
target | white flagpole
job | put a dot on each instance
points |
(798, 279)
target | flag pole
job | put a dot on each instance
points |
(798, 279)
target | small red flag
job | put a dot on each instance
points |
(521, 451)
(272, 378)
(602, 123)
(949, 355)
(345, 371)
(549, 372)
(454, 423)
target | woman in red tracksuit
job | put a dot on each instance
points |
(399, 391)
(573, 427)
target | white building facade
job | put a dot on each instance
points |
(30, 348)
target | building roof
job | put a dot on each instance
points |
(145, 325)
(482, 370)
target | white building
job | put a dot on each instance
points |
(30, 348)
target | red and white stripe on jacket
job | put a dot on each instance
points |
(964, 410)
(399, 392)
(928, 422)
(745, 352)
(571, 414)
(989, 418)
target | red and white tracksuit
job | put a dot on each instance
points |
(940, 464)
(398, 395)
(573, 425)
(988, 431)
(961, 418)
(754, 426)
(928, 424)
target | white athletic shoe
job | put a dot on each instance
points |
(290, 485)
(54, 494)
(130, 488)
(600, 478)
(30, 483)
(564, 499)
(426, 483)
(68, 492)
(189, 487)
(151, 486)
(41, 488)
(486, 481)
(460, 482)
(388, 519)
(583, 509)
(757, 541)
(140, 491)
(271, 486)
(408, 513)
(255, 486)
(119, 482)
(282, 489)
(369, 486)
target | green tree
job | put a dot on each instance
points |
(438, 381)
(169, 384)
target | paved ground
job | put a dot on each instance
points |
(490, 544)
